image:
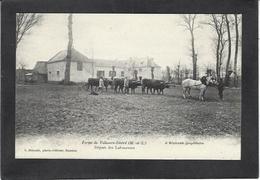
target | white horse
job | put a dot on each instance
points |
(202, 84)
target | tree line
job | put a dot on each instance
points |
(222, 25)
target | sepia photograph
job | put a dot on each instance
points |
(128, 86)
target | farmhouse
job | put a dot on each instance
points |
(83, 67)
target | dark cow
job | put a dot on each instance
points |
(118, 84)
(133, 84)
(94, 82)
(159, 86)
(152, 85)
(145, 84)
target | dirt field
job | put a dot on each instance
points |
(49, 109)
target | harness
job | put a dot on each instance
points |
(198, 84)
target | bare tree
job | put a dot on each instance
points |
(21, 65)
(217, 22)
(135, 74)
(68, 59)
(229, 50)
(168, 73)
(113, 72)
(190, 25)
(236, 50)
(177, 73)
(24, 22)
(152, 72)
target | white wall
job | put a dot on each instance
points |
(75, 75)
(52, 69)
(107, 69)
(80, 76)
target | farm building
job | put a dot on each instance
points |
(37, 74)
(83, 67)
(21, 74)
(40, 71)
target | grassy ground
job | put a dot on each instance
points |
(56, 109)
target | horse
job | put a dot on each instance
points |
(202, 84)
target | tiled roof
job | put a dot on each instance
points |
(77, 56)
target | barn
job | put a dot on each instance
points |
(83, 67)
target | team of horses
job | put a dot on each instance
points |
(152, 85)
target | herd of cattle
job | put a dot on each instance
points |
(117, 85)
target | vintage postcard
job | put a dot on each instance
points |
(128, 86)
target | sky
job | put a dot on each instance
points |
(120, 36)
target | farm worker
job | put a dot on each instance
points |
(101, 84)
(220, 88)
(126, 85)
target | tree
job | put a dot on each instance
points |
(217, 22)
(236, 50)
(168, 73)
(152, 72)
(68, 58)
(21, 65)
(24, 22)
(177, 73)
(189, 24)
(229, 51)
(113, 72)
(135, 74)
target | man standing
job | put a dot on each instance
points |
(101, 84)
(126, 85)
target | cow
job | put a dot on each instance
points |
(94, 82)
(152, 85)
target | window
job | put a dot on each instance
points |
(100, 74)
(79, 66)
(58, 72)
(112, 73)
(122, 73)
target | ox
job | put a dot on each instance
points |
(119, 85)
(152, 85)
(133, 84)
(202, 85)
(94, 82)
